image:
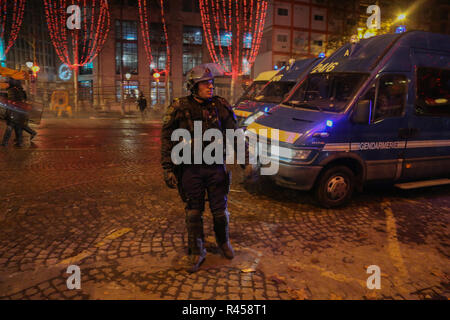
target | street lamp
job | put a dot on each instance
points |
(35, 69)
(401, 16)
(401, 19)
(128, 77)
(33, 76)
(156, 76)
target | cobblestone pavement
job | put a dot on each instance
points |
(91, 193)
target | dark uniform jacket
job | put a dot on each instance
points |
(184, 111)
(16, 94)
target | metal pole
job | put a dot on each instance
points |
(167, 86)
(157, 92)
(233, 83)
(75, 77)
(122, 91)
(75, 87)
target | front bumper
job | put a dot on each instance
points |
(296, 176)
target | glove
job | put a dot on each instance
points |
(170, 179)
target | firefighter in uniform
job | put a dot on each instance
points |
(195, 180)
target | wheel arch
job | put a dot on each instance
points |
(350, 160)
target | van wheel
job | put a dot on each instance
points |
(335, 186)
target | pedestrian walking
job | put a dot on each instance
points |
(142, 104)
(16, 120)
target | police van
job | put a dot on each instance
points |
(273, 92)
(375, 110)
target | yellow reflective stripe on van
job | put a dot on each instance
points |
(243, 114)
(283, 136)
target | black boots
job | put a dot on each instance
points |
(8, 132)
(221, 219)
(196, 260)
(197, 251)
(227, 250)
(7, 135)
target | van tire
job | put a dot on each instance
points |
(334, 187)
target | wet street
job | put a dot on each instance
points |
(91, 193)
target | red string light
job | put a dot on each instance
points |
(207, 32)
(79, 46)
(10, 21)
(144, 18)
(145, 29)
(239, 19)
(166, 37)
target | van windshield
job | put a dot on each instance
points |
(275, 91)
(327, 91)
(253, 90)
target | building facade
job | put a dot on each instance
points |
(122, 66)
(298, 29)
(124, 53)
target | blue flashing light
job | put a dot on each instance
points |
(400, 29)
(329, 123)
(322, 55)
(266, 109)
(275, 67)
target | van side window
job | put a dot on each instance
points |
(391, 96)
(433, 92)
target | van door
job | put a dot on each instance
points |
(428, 132)
(378, 142)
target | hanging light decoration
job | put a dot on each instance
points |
(80, 44)
(78, 47)
(10, 22)
(144, 18)
(233, 32)
(165, 37)
(145, 28)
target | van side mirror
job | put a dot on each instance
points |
(361, 113)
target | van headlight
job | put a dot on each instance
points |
(289, 154)
(252, 118)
